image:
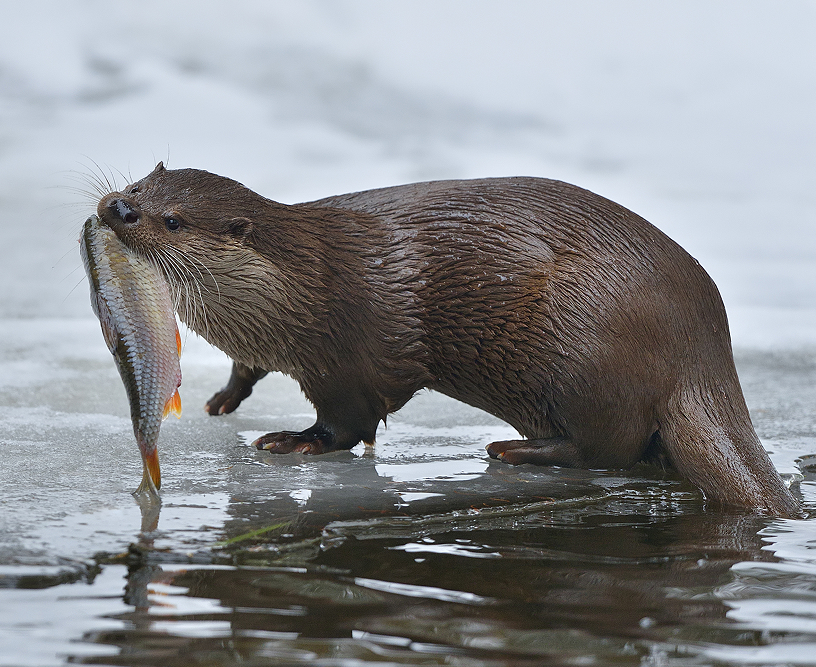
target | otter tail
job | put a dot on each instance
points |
(710, 441)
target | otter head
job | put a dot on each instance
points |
(197, 229)
(172, 207)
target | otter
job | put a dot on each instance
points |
(574, 320)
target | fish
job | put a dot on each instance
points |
(132, 301)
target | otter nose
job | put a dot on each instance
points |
(124, 211)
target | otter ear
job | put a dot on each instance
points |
(159, 169)
(240, 228)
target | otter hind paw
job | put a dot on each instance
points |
(514, 452)
(544, 452)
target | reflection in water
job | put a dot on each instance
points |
(150, 508)
(140, 574)
(632, 578)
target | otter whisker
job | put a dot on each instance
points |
(124, 178)
(201, 275)
(102, 177)
(194, 309)
(170, 269)
(91, 195)
(70, 251)
(163, 267)
(113, 179)
(182, 258)
(203, 312)
(89, 179)
(71, 291)
(174, 277)
(99, 177)
(67, 205)
(83, 186)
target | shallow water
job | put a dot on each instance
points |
(635, 577)
(420, 551)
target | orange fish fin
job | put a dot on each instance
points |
(178, 341)
(173, 405)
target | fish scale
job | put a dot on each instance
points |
(133, 304)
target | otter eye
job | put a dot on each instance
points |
(134, 190)
(173, 224)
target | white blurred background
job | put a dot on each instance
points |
(698, 115)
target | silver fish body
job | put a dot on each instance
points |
(133, 304)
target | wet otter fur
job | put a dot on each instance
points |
(564, 314)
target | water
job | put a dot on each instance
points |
(421, 551)
(635, 578)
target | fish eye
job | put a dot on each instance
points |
(173, 224)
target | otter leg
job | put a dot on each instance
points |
(544, 452)
(239, 386)
(345, 416)
(721, 453)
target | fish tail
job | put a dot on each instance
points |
(147, 485)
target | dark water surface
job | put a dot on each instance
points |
(633, 577)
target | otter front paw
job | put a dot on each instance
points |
(286, 442)
(227, 400)
(242, 379)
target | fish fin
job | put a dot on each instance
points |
(178, 341)
(173, 405)
(109, 331)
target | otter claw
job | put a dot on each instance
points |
(289, 443)
(497, 450)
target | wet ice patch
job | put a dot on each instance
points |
(185, 522)
(392, 440)
(453, 471)
(411, 496)
(301, 496)
(467, 550)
